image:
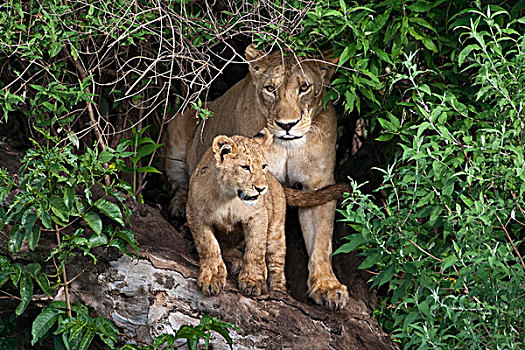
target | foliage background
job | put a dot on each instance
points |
(92, 83)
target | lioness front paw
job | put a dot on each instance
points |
(212, 279)
(329, 293)
(252, 285)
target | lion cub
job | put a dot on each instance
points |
(232, 189)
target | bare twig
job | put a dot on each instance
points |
(516, 251)
(64, 275)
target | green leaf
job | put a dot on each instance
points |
(15, 238)
(370, 261)
(59, 208)
(106, 331)
(34, 237)
(26, 293)
(110, 209)
(97, 240)
(129, 237)
(46, 220)
(43, 282)
(423, 6)
(105, 156)
(347, 53)
(355, 241)
(55, 49)
(465, 52)
(425, 39)
(86, 340)
(163, 338)
(147, 149)
(28, 221)
(451, 260)
(33, 269)
(93, 220)
(385, 275)
(44, 321)
(148, 169)
(190, 332)
(425, 310)
(223, 328)
(4, 278)
(385, 137)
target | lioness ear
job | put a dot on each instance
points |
(256, 60)
(264, 138)
(223, 145)
(328, 66)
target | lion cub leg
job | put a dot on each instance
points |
(275, 256)
(276, 245)
(212, 273)
(252, 278)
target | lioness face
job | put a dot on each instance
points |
(242, 167)
(290, 92)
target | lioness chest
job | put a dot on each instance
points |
(295, 165)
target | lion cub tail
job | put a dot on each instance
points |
(311, 198)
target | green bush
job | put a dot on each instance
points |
(446, 239)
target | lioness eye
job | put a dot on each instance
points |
(304, 88)
(246, 167)
(264, 166)
(269, 88)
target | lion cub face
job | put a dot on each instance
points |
(242, 166)
(290, 92)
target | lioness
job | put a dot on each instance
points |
(284, 94)
(231, 189)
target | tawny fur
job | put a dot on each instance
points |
(281, 92)
(305, 199)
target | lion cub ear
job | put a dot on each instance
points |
(264, 138)
(256, 59)
(223, 145)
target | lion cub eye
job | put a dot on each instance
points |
(270, 88)
(304, 87)
(264, 166)
(245, 167)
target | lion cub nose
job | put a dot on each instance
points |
(287, 126)
(259, 189)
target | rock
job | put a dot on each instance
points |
(157, 293)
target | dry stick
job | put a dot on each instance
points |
(424, 251)
(64, 276)
(511, 242)
(91, 113)
(89, 106)
(9, 295)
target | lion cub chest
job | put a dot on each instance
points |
(234, 215)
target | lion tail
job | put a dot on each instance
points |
(311, 198)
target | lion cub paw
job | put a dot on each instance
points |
(212, 278)
(329, 293)
(252, 285)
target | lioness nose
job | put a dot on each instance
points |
(287, 126)
(259, 189)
